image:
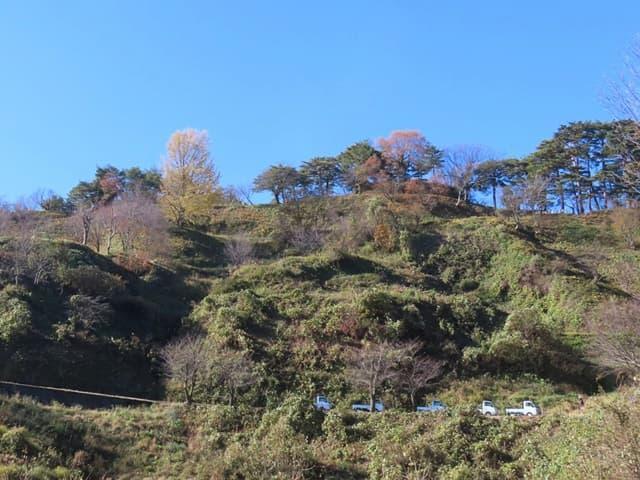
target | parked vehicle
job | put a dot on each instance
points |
(528, 408)
(434, 406)
(365, 407)
(322, 403)
(487, 408)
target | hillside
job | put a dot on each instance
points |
(504, 307)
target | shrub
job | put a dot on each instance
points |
(92, 281)
(15, 314)
(11, 472)
(239, 250)
(626, 223)
(384, 237)
(16, 442)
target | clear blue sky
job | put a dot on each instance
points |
(90, 83)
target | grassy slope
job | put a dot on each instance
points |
(468, 285)
(292, 442)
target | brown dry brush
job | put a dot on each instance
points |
(373, 365)
(615, 339)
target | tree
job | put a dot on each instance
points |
(577, 164)
(623, 144)
(371, 365)
(372, 173)
(239, 250)
(615, 341)
(85, 198)
(460, 166)
(51, 202)
(490, 175)
(234, 372)
(284, 182)
(624, 94)
(190, 181)
(526, 195)
(188, 361)
(322, 174)
(243, 193)
(512, 199)
(108, 185)
(417, 371)
(140, 226)
(25, 255)
(350, 161)
(142, 182)
(408, 154)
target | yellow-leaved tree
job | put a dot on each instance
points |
(190, 185)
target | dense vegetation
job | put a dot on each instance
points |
(505, 308)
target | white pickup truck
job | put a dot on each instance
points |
(529, 409)
(487, 408)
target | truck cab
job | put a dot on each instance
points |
(434, 406)
(365, 407)
(322, 403)
(528, 408)
(487, 408)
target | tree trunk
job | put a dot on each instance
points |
(109, 243)
(493, 193)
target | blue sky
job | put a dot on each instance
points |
(93, 83)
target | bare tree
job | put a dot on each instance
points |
(5, 218)
(133, 220)
(105, 227)
(244, 193)
(535, 194)
(624, 92)
(188, 361)
(239, 250)
(81, 222)
(235, 372)
(25, 254)
(306, 239)
(371, 365)
(141, 227)
(417, 371)
(623, 100)
(616, 338)
(529, 195)
(350, 231)
(460, 166)
(512, 199)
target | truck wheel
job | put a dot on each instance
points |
(529, 414)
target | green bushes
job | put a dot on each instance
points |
(16, 442)
(90, 280)
(292, 440)
(15, 314)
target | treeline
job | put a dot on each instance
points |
(584, 167)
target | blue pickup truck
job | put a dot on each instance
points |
(435, 406)
(365, 407)
(322, 403)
